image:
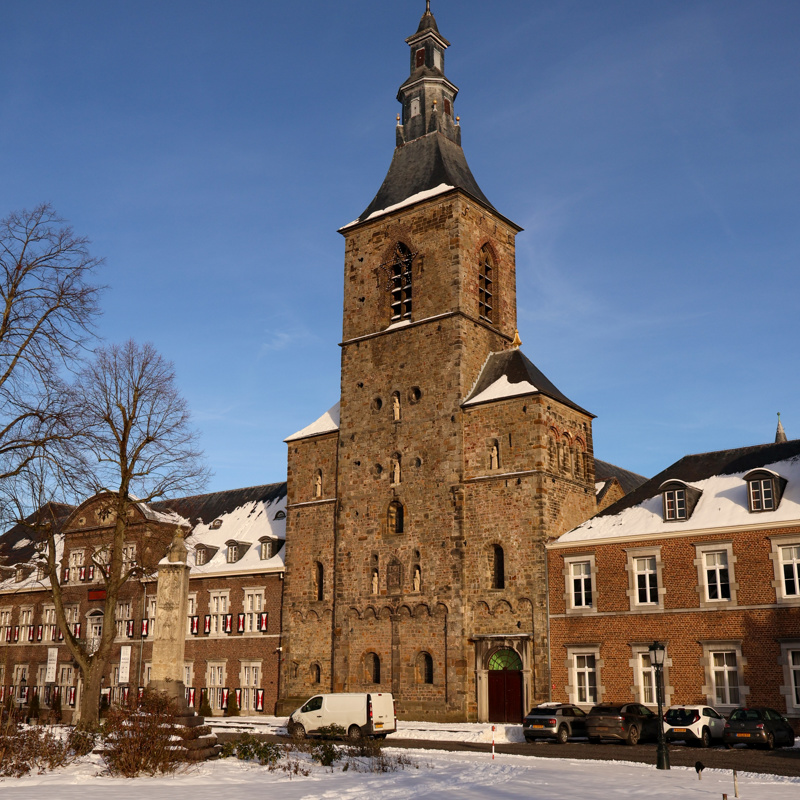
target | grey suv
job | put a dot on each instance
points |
(557, 721)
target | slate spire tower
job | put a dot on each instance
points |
(419, 505)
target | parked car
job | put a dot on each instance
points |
(629, 722)
(557, 721)
(358, 714)
(694, 724)
(758, 726)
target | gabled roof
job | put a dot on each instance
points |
(327, 423)
(510, 373)
(18, 544)
(205, 508)
(421, 165)
(629, 481)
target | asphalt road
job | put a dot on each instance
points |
(775, 762)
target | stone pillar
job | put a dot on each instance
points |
(172, 602)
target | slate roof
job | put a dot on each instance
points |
(629, 481)
(702, 466)
(18, 544)
(421, 165)
(205, 508)
(516, 367)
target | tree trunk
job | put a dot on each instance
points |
(89, 713)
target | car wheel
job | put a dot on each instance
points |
(705, 738)
(633, 736)
(562, 735)
(594, 740)
(770, 745)
(354, 733)
(297, 731)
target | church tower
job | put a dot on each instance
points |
(418, 507)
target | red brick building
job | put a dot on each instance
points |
(704, 557)
(235, 541)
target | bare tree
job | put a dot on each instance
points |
(136, 445)
(48, 305)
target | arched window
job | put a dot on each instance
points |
(396, 463)
(486, 278)
(425, 668)
(400, 282)
(373, 668)
(396, 406)
(498, 567)
(318, 483)
(316, 673)
(319, 581)
(395, 517)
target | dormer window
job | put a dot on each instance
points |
(678, 500)
(764, 489)
(233, 553)
(216, 524)
(200, 556)
(268, 548)
(280, 515)
(20, 574)
(675, 504)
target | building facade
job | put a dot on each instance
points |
(419, 505)
(705, 558)
(235, 542)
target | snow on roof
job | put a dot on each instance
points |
(246, 525)
(501, 388)
(415, 198)
(722, 504)
(328, 422)
(165, 517)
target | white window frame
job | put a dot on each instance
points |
(76, 561)
(250, 675)
(790, 661)
(761, 494)
(635, 555)
(218, 606)
(122, 614)
(701, 551)
(191, 611)
(779, 544)
(578, 668)
(675, 508)
(569, 593)
(216, 676)
(640, 655)
(712, 671)
(253, 605)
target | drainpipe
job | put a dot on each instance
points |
(547, 606)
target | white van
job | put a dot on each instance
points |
(359, 714)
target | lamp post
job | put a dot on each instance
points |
(657, 660)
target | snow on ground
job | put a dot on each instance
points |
(431, 775)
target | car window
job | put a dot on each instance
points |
(566, 712)
(679, 716)
(578, 712)
(745, 715)
(646, 711)
(314, 704)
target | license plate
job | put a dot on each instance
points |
(378, 724)
(679, 730)
(743, 735)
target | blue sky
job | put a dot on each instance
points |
(210, 150)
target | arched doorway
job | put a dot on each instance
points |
(505, 686)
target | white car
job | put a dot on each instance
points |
(694, 724)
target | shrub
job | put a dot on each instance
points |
(81, 741)
(232, 709)
(55, 708)
(330, 732)
(205, 706)
(33, 748)
(34, 708)
(325, 752)
(140, 740)
(248, 748)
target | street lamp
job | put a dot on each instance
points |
(657, 660)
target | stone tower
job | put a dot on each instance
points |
(418, 507)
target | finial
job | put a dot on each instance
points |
(780, 434)
(427, 6)
(517, 341)
(398, 119)
(458, 120)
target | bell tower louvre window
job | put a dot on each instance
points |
(400, 283)
(486, 286)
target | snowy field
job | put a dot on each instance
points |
(431, 774)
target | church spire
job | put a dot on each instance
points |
(780, 434)
(427, 96)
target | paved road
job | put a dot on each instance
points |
(776, 762)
